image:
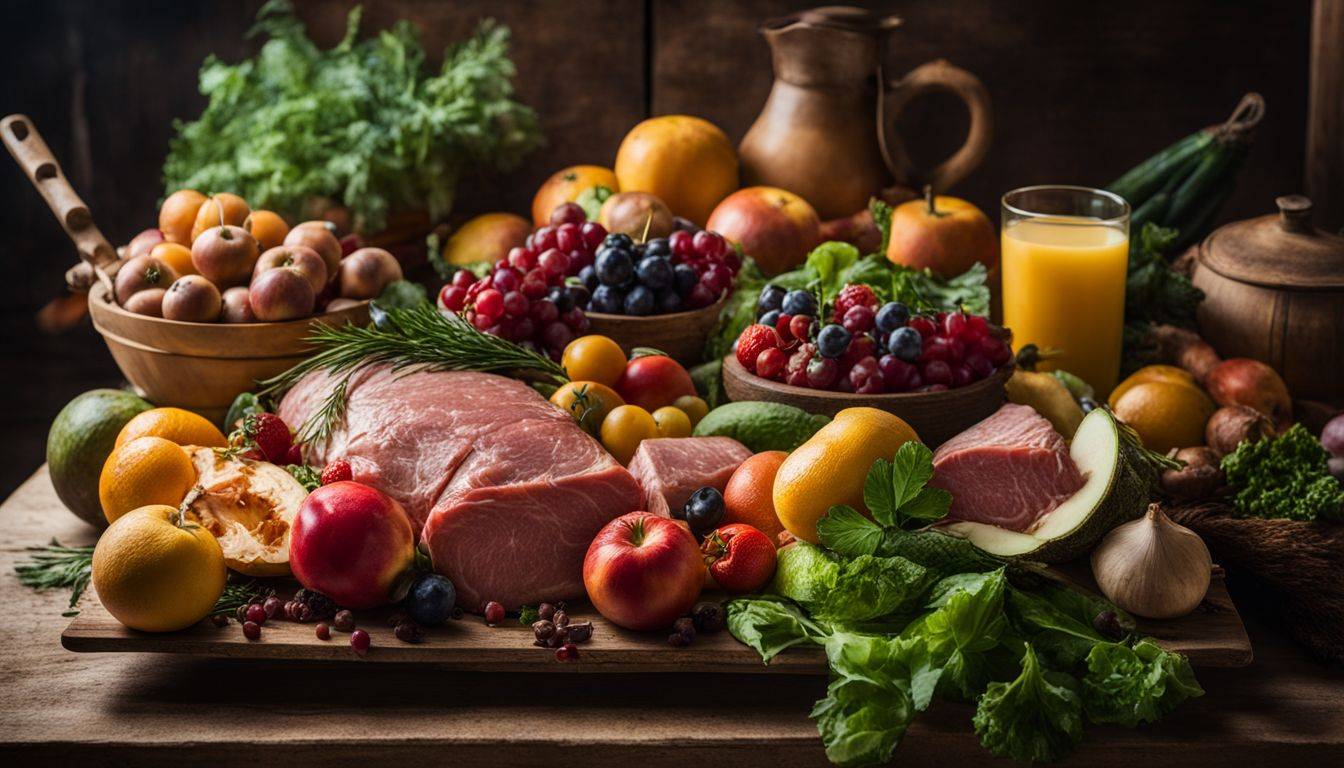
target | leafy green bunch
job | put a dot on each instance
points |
(1285, 477)
(908, 613)
(362, 123)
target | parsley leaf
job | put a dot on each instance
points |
(1284, 477)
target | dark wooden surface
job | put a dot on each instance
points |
(1081, 91)
(63, 709)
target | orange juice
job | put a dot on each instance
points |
(1064, 289)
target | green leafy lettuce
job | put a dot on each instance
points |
(1037, 717)
(1128, 686)
(363, 124)
(1284, 477)
(832, 588)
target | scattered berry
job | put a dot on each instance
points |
(251, 630)
(567, 652)
(753, 341)
(271, 606)
(322, 630)
(336, 471)
(409, 632)
(494, 613)
(704, 510)
(256, 614)
(431, 599)
(344, 621)
(219, 620)
(709, 617)
(359, 640)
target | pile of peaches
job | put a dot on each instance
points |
(214, 259)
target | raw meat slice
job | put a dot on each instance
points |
(670, 469)
(1008, 471)
(505, 489)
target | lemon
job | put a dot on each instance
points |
(146, 470)
(155, 573)
(1166, 414)
(830, 468)
(174, 424)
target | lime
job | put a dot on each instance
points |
(80, 440)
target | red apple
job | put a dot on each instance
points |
(143, 243)
(366, 272)
(774, 226)
(224, 255)
(945, 234)
(300, 257)
(1243, 381)
(653, 381)
(352, 543)
(236, 306)
(643, 571)
(283, 293)
(321, 237)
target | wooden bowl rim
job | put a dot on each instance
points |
(995, 380)
(98, 293)
(637, 319)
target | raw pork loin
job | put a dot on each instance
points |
(1007, 471)
(505, 489)
(670, 469)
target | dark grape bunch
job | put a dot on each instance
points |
(680, 272)
(866, 347)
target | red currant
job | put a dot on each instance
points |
(593, 234)
(494, 613)
(800, 326)
(924, 325)
(490, 303)
(515, 304)
(711, 245)
(576, 320)
(784, 329)
(567, 237)
(453, 298)
(996, 350)
(544, 311)
(822, 373)
(553, 262)
(961, 375)
(251, 630)
(322, 630)
(522, 259)
(256, 613)
(976, 328)
(481, 322)
(979, 365)
(860, 346)
(556, 336)
(770, 363)
(701, 296)
(505, 278)
(716, 278)
(578, 259)
(954, 324)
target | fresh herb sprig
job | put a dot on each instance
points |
(240, 594)
(418, 337)
(56, 566)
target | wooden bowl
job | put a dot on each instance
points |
(203, 366)
(681, 334)
(936, 416)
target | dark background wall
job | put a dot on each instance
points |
(1082, 91)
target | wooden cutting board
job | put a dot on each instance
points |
(1212, 636)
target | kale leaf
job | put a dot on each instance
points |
(1284, 477)
(1135, 685)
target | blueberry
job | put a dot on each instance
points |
(703, 511)
(772, 297)
(617, 240)
(608, 299)
(770, 318)
(832, 341)
(560, 298)
(686, 278)
(588, 276)
(658, 247)
(614, 266)
(669, 301)
(799, 302)
(655, 272)
(431, 599)
(891, 316)
(639, 301)
(906, 344)
(579, 295)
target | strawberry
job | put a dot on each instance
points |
(740, 558)
(754, 340)
(853, 296)
(265, 435)
(336, 471)
(295, 454)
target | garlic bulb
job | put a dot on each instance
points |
(1152, 567)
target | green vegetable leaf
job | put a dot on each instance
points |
(895, 493)
(937, 550)
(827, 262)
(1284, 477)
(402, 294)
(309, 477)
(881, 213)
(1058, 621)
(855, 589)
(1135, 685)
(769, 626)
(848, 533)
(1036, 718)
(862, 721)
(967, 625)
(527, 614)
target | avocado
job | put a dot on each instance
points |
(1116, 489)
(762, 426)
(80, 440)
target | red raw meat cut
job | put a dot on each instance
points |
(670, 469)
(505, 489)
(1007, 471)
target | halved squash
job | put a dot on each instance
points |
(248, 506)
(1115, 491)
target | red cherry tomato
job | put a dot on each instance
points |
(741, 558)
(654, 381)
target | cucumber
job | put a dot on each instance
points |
(1152, 210)
(1141, 181)
(1200, 223)
(1200, 185)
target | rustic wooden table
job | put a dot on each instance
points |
(61, 708)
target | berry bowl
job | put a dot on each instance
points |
(680, 334)
(936, 416)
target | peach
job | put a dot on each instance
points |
(352, 543)
(366, 272)
(283, 293)
(192, 299)
(237, 306)
(300, 257)
(321, 237)
(224, 255)
(176, 255)
(177, 215)
(774, 226)
(139, 274)
(267, 227)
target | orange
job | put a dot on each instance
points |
(177, 256)
(594, 358)
(155, 572)
(565, 186)
(1150, 373)
(1166, 414)
(684, 161)
(178, 214)
(749, 496)
(174, 424)
(830, 468)
(267, 228)
(146, 470)
(234, 211)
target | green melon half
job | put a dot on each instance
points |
(1115, 491)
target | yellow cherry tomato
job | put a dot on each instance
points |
(694, 407)
(672, 422)
(594, 358)
(588, 402)
(625, 428)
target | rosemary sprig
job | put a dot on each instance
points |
(235, 595)
(417, 337)
(57, 566)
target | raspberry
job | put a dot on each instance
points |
(336, 471)
(266, 435)
(753, 341)
(853, 296)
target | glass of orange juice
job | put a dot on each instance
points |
(1065, 256)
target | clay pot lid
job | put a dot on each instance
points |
(843, 17)
(1277, 251)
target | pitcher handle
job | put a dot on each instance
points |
(935, 76)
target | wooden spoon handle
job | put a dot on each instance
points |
(32, 154)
